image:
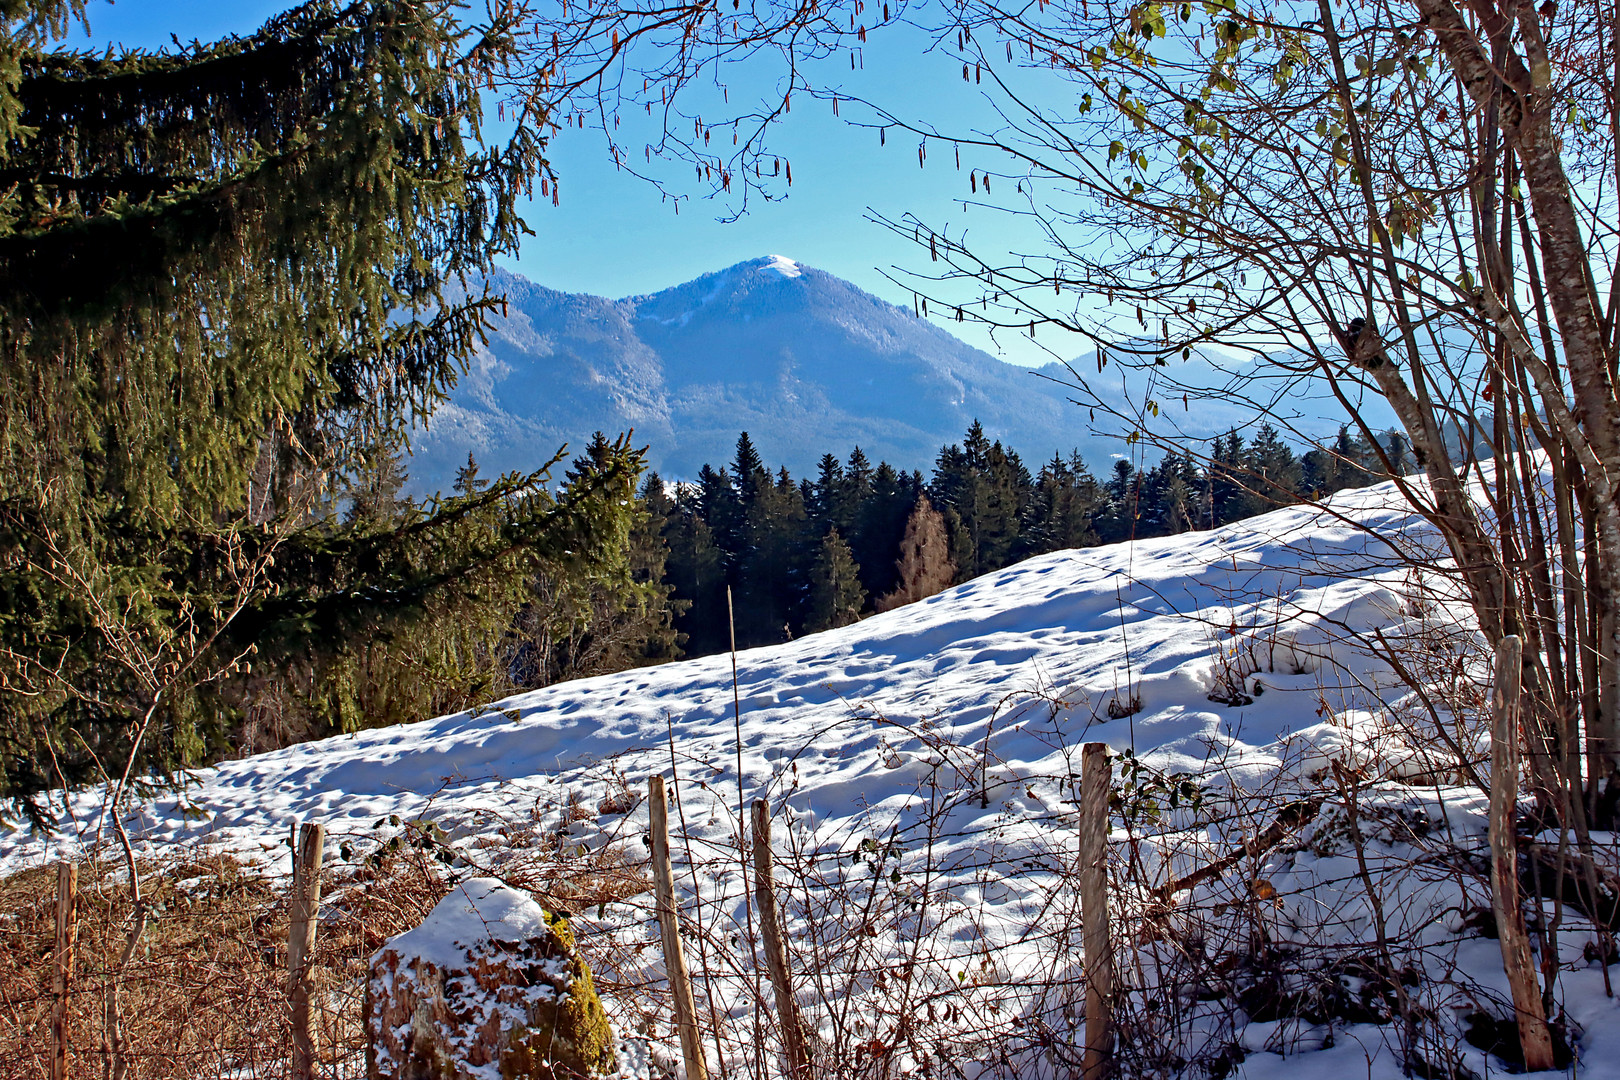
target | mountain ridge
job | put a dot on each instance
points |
(805, 361)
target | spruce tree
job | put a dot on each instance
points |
(1062, 508)
(376, 488)
(960, 488)
(1326, 469)
(226, 282)
(649, 566)
(591, 613)
(697, 572)
(879, 525)
(1170, 496)
(1007, 494)
(836, 596)
(748, 470)
(857, 484)
(414, 616)
(1118, 522)
(1398, 449)
(467, 479)
(1230, 496)
(1274, 471)
(769, 578)
(825, 504)
(721, 507)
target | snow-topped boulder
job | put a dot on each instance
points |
(489, 987)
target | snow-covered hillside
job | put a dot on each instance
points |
(1076, 628)
(931, 751)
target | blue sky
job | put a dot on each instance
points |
(614, 236)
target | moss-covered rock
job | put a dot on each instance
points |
(489, 978)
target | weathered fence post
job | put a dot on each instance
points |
(680, 981)
(67, 930)
(305, 909)
(1533, 1034)
(1096, 780)
(787, 1007)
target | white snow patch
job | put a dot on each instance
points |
(479, 910)
(780, 264)
(1018, 663)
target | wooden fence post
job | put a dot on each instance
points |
(305, 908)
(669, 927)
(1534, 1037)
(67, 931)
(1096, 780)
(787, 1007)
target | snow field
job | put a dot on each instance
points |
(920, 766)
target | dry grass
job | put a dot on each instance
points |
(202, 997)
(923, 939)
(205, 995)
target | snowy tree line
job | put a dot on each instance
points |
(806, 555)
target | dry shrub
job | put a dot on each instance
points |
(926, 940)
(206, 993)
(204, 996)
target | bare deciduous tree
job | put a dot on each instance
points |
(1407, 200)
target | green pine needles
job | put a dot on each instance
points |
(201, 248)
(232, 277)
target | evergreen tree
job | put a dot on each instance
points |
(981, 489)
(376, 487)
(467, 479)
(879, 524)
(857, 483)
(1398, 449)
(1229, 481)
(722, 509)
(748, 471)
(1275, 473)
(224, 274)
(1062, 508)
(836, 596)
(1118, 520)
(452, 652)
(1007, 495)
(1170, 496)
(591, 616)
(696, 570)
(1324, 470)
(770, 574)
(924, 566)
(825, 503)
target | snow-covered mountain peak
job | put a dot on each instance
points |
(806, 362)
(737, 289)
(780, 264)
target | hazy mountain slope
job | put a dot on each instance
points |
(807, 364)
(558, 367)
(804, 361)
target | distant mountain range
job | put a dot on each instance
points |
(804, 361)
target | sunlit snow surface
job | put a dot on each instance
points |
(970, 707)
(1076, 627)
(781, 264)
